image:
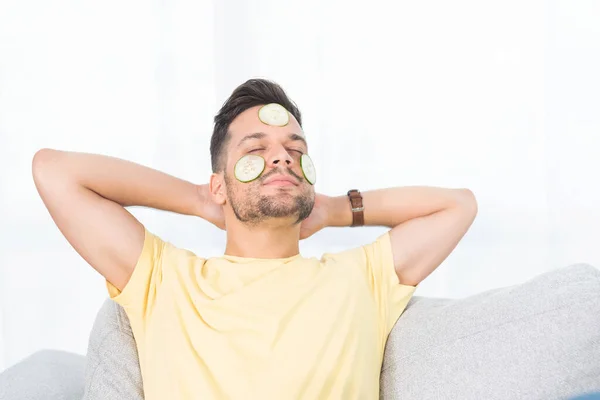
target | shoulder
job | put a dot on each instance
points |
(167, 254)
(380, 246)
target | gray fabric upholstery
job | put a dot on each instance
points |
(112, 371)
(45, 375)
(536, 340)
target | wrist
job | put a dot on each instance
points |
(339, 211)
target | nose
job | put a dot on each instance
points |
(281, 157)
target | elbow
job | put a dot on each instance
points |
(42, 162)
(40, 157)
(36, 162)
(468, 201)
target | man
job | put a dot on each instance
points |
(261, 321)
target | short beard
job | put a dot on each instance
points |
(252, 208)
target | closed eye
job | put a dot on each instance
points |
(259, 149)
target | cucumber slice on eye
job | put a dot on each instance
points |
(249, 167)
(308, 169)
(274, 114)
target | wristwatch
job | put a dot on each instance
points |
(356, 203)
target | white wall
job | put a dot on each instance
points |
(499, 97)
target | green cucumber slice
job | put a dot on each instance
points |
(274, 114)
(249, 167)
(308, 169)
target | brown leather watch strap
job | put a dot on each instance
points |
(356, 202)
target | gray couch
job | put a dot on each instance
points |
(536, 340)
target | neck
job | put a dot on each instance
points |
(268, 240)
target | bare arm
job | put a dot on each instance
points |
(86, 195)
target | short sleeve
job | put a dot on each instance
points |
(139, 292)
(390, 295)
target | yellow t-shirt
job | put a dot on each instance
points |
(230, 327)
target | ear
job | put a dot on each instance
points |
(216, 187)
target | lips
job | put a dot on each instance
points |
(281, 179)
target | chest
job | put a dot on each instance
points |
(303, 310)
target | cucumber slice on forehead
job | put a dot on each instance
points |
(274, 114)
(308, 169)
(249, 167)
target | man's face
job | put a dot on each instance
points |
(281, 147)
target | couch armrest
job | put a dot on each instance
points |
(45, 375)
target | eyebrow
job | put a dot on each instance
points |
(261, 135)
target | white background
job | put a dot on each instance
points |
(501, 97)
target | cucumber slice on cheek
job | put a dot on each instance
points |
(308, 169)
(249, 167)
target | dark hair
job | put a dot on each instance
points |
(253, 92)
